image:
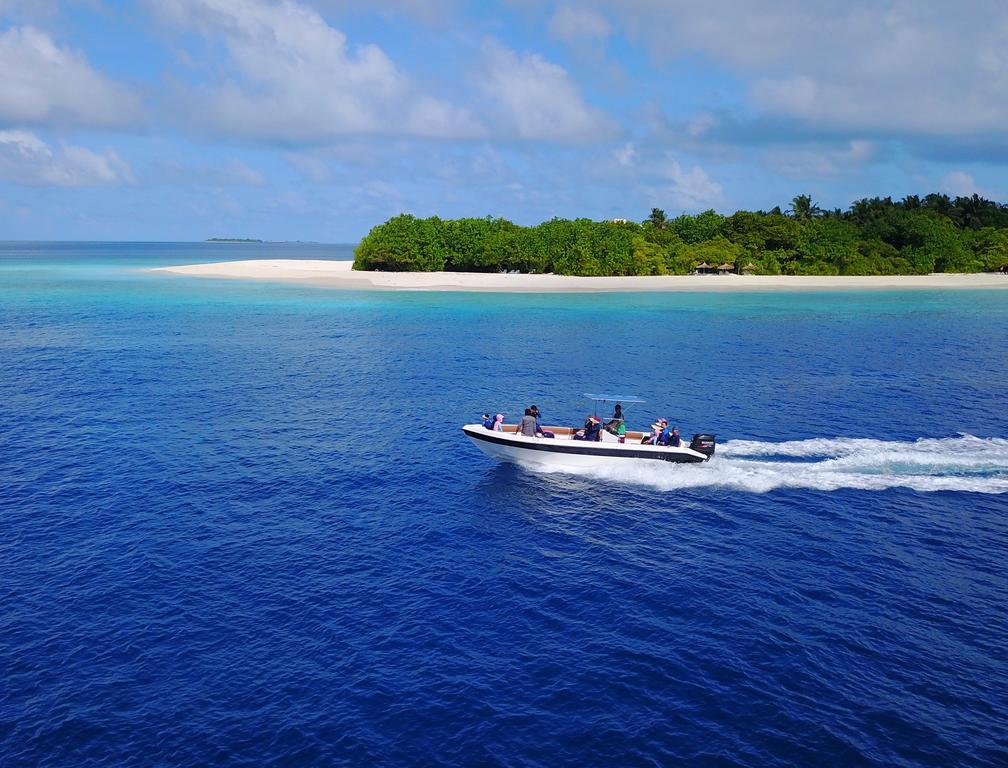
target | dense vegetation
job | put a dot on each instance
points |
(876, 236)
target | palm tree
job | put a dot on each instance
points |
(657, 219)
(803, 209)
(973, 212)
(911, 203)
(940, 203)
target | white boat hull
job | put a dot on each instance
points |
(564, 453)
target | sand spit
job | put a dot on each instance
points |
(339, 275)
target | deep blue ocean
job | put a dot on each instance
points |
(240, 525)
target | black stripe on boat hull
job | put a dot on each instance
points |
(593, 449)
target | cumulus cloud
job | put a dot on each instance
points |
(959, 183)
(578, 24)
(427, 11)
(626, 155)
(311, 166)
(868, 66)
(231, 174)
(692, 189)
(46, 84)
(289, 76)
(537, 99)
(666, 183)
(821, 161)
(28, 9)
(27, 159)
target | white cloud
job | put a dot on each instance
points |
(821, 161)
(626, 155)
(310, 165)
(45, 84)
(700, 125)
(537, 99)
(868, 66)
(578, 24)
(427, 11)
(668, 184)
(26, 159)
(231, 174)
(377, 189)
(693, 188)
(959, 183)
(292, 77)
(28, 9)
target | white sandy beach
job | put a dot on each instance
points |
(338, 274)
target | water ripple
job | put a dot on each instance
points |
(241, 528)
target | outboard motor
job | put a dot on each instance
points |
(703, 444)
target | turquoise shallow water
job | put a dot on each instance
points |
(242, 525)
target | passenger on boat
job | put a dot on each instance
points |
(617, 418)
(528, 425)
(674, 440)
(616, 425)
(539, 430)
(655, 436)
(663, 438)
(498, 423)
(591, 430)
(488, 421)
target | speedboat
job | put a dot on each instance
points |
(563, 451)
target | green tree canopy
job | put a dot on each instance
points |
(874, 236)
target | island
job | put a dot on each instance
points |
(232, 240)
(876, 236)
(917, 243)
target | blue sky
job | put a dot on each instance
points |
(317, 119)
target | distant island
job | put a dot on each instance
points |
(232, 240)
(875, 236)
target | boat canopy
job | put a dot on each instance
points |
(614, 398)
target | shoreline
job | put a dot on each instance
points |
(339, 275)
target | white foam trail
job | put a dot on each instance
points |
(964, 463)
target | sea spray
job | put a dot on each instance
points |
(963, 463)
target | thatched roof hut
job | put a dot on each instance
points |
(749, 267)
(725, 268)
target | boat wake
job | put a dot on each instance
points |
(963, 463)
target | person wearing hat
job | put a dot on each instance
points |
(591, 430)
(539, 430)
(528, 426)
(655, 436)
(663, 438)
